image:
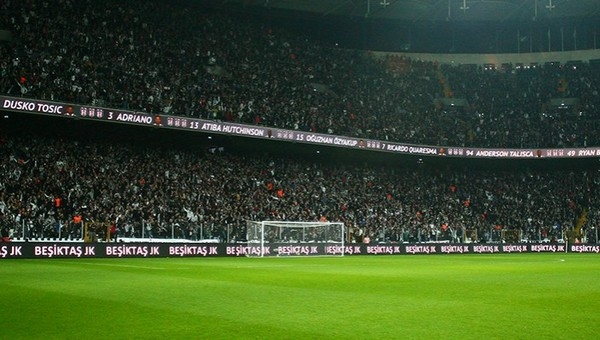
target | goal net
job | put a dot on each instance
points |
(283, 238)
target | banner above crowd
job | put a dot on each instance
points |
(27, 105)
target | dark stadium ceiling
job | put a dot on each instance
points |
(435, 10)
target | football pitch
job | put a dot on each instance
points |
(508, 296)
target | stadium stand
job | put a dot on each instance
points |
(151, 190)
(160, 58)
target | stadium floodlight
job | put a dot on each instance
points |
(264, 234)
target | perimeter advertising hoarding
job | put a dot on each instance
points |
(29, 250)
(89, 112)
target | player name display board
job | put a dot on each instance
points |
(119, 116)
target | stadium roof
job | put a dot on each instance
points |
(436, 10)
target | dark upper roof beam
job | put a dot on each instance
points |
(517, 10)
(336, 7)
(595, 12)
(431, 10)
(377, 6)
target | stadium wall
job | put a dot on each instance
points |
(154, 250)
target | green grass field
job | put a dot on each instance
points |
(509, 296)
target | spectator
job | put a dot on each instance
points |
(160, 57)
(211, 195)
(5, 235)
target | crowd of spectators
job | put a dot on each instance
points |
(161, 57)
(157, 57)
(49, 185)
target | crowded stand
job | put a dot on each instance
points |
(51, 182)
(157, 57)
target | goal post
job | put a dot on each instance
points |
(286, 238)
